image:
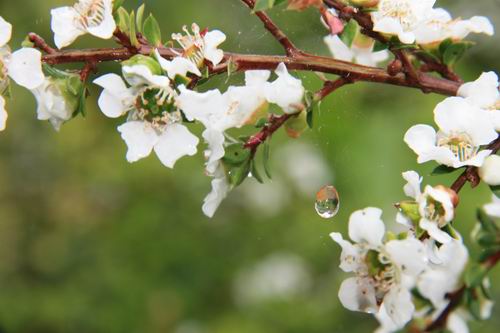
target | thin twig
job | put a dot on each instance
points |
(274, 123)
(278, 34)
(330, 86)
(41, 44)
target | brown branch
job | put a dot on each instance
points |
(471, 173)
(278, 34)
(274, 123)
(330, 86)
(40, 43)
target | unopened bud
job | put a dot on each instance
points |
(332, 22)
(455, 199)
(395, 67)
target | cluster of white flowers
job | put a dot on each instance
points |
(417, 21)
(467, 123)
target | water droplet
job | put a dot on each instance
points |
(327, 202)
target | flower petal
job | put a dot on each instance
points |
(116, 98)
(483, 92)
(3, 114)
(399, 306)
(434, 231)
(286, 91)
(350, 254)
(25, 67)
(5, 32)
(178, 66)
(220, 189)
(140, 138)
(212, 40)
(338, 49)
(175, 142)
(107, 26)
(408, 254)
(358, 294)
(366, 226)
(62, 24)
(412, 187)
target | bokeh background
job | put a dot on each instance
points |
(91, 243)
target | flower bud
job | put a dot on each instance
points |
(332, 22)
(142, 60)
(490, 171)
(453, 195)
(409, 209)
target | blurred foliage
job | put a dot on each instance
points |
(90, 243)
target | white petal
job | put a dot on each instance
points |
(421, 139)
(107, 27)
(367, 226)
(215, 151)
(3, 113)
(207, 107)
(483, 92)
(349, 256)
(51, 104)
(178, 66)
(140, 138)
(455, 115)
(357, 294)
(399, 306)
(212, 40)
(138, 75)
(440, 196)
(116, 98)
(408, 254)
(63, 26)
(434, 231)
(5, 32)
(338, 49)
(256, 77)
(412, 187)
(286, 91)
(456, 323)
(220, 189)
(493, 208)
(25, 67)
(490, 171)
(175, 142)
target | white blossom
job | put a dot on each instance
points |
(86, 16)
(463, 129)
(442, 274)
(52, 104)
(286, 91)
(384, 272)
(177, 66)
(439, 26)
(493, 208)
(154, 122)
(360, 54)
(484, 94)
(490, 170)
(401, 17)
(199, 45)
(435, 207)
(3, 114)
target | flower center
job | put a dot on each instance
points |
(434, 211)
(381, 270)
(400, 10)
(91, 13)
(193, 44)
(157, 106)
(460, 145)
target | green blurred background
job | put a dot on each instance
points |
(91, 243)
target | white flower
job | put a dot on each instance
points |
(435, 207)
(490, 171)
(5, 32)
(360, 54)
(52, 104)
(439, 26)
(286, 91)
(484, 94)
(493, 208)
(384, 272)
(154, 122)
(201, 45)
(442, 274)
(463, 129)
(177, 66)
(401, 17)
(86, 16)
(220, 190)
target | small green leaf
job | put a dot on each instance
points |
(475, 275)
(442, 170)
(261, 122)
(123, 20)
(117, 4)
(256, 173)
(455, 51)
(473, 303)
(349, 32)
(487, 253)
(487, 223)
(140, 17)
(133, 33)
(379, 46)
(236, 154)
(266, 154)
(152, 31)
(238, 174)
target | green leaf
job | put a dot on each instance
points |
(133, 33)
(256, 173)
(475, 275)
(152, 31)
(473, 303)
(117, 4)
(455, 51)
(486, 221)
(349, 32)
(238, 174)
(261, 122)
(140, 17)
(487, 253)
(123, 20)
(266, 154)
(379, 46)
(236, 154)
(442, 170)
(444, 45)
(496, 190)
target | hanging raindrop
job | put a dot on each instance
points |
(327, 202)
